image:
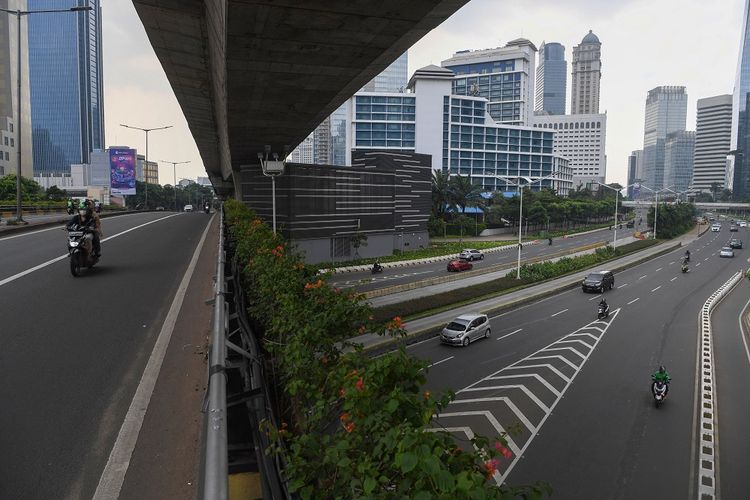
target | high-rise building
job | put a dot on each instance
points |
(65, 73)
(587, 74)
(551, 76)
(391, 79)
(713, 134)
(678, 160)
(740, 144)
(582, 140)
(9, 93)
(151, 173)
(504, 76)
(635, 170)
(305, 152)
(666, 112)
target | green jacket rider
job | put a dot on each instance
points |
(661, 375)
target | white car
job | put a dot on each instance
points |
(743, 223)
(716, 228)
(188, 208)
(471, 254)
(726, 252)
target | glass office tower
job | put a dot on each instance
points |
(551, 77)
(65, 72)
(740, 123)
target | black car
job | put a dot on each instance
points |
(735, 243)
(630, 224)
(598, 281)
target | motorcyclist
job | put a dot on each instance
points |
(550, 240)
(376, 267)
(687, 256)
(661, 375)
(603, 306)
(88, 219)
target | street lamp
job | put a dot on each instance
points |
(174, 175)
(145, 162)
(271, 168)
(529, 182)
(656, 207)
(18, 13)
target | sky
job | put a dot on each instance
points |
(645, 44)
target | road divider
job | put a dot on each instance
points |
(706, 384)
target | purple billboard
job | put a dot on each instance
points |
(122, 171)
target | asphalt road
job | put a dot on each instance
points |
(577, 390)
(73, 349)
(365, 281)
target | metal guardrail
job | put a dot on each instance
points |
(215, 473)
(234, 440)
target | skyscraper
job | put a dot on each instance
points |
(551, 75)
(504, 76)
(713, 134)
(587, 73)
(65, 72)
(391, 79)
(678, 159)
(740, 144)
(666, 112)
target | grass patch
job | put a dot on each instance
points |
(530, 275)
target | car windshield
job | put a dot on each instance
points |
(726, 249)
(595, 276)
(457, 326)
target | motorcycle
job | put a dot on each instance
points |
(685, 268)
(81, 249)
(550, 241)
(207, 209)
(376, 269)
(603, 311)
(687, 258)
(659, 390)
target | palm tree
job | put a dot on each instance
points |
(464, 193)
(440, 192)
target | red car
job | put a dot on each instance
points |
(459, 265)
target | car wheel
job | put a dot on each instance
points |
(466, 341)
(601, 289)
(611, 285)
(481, 257)
(487, 333)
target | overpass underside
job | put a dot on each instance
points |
(251, 74)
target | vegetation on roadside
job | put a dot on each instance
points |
(530, 274)
(673, 220)
(350, 426)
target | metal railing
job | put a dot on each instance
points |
(215, 473)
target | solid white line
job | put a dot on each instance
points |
(643, 276)
(58, 259)
(114, 472)
(441, 361)
(509, 334)
(560, 312)
(634, 300)
(655, 289)
(673, 279)
(743, 334)
(60, 227)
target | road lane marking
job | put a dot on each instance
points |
(559, 312)
(58, 259)
(634, 300)
(706, 258)
(673, 279)
(441, 361)
(698, 264)
(655, 289)
(509, 334)
(110, 482)
(643, 276)
(624, 284)
(659, 269)
(58, 228)
(671, 263)
(594, 298)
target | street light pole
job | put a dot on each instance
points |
(145, 162)
(174, 175)
(18, 13)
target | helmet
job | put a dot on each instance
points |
(662, 369)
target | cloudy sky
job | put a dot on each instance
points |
(645, 43)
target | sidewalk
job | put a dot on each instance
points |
(426, 327)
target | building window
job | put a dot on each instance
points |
(6, 141)
(12, 142)
(10, 125)
(7, 156)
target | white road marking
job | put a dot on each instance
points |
(673, 278)
(441, 361)
(58, 228)
(634, 300)
(706, 258)
(698, 264)
(559, 312)
(643, 276)
(509, 334)
(594, 298)
(110, 482)
(655, 289)
(58, 259)
(671, 263)
(623, 285)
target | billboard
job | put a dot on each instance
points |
(122, 171)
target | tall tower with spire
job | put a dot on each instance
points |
(587, 73)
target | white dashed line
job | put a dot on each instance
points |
(706, 258)
(698, 264)
(509, 334)
(655, 289)
(594, 298)
(560, 312)
(622, 286)
(673, 278)
(643, 276)
(441, 361)
(671, 263)
(659, 269)
(634, 300)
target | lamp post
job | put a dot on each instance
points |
(271, 168)
(617, 195)
(174, 175)
(656, 207)
(19, 13)
(145, 162)
(529, 182)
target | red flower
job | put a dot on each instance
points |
(491, 467)
(360, 385)
(345, 417)
(503, 450)
(349, 427)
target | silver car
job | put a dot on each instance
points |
(471, 254)
(726, 252)
(465, 329)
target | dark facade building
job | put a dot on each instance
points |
(65, 73)
(740, 121)
(551, 76)
(319, 208)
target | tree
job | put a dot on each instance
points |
(537, 213)
(440, 192)
(54, 193)
(464, 193)
(30, 190)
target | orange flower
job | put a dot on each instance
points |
(360, 385)
(426, 394)
(362, 329)
(349, 427)
(491, 466)
(345, 417)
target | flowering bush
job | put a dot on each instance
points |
(354, 427)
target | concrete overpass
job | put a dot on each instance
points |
(253, 73)
(705, 206)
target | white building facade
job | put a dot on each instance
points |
(713, 136)
(582, 140)
(586, 76)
